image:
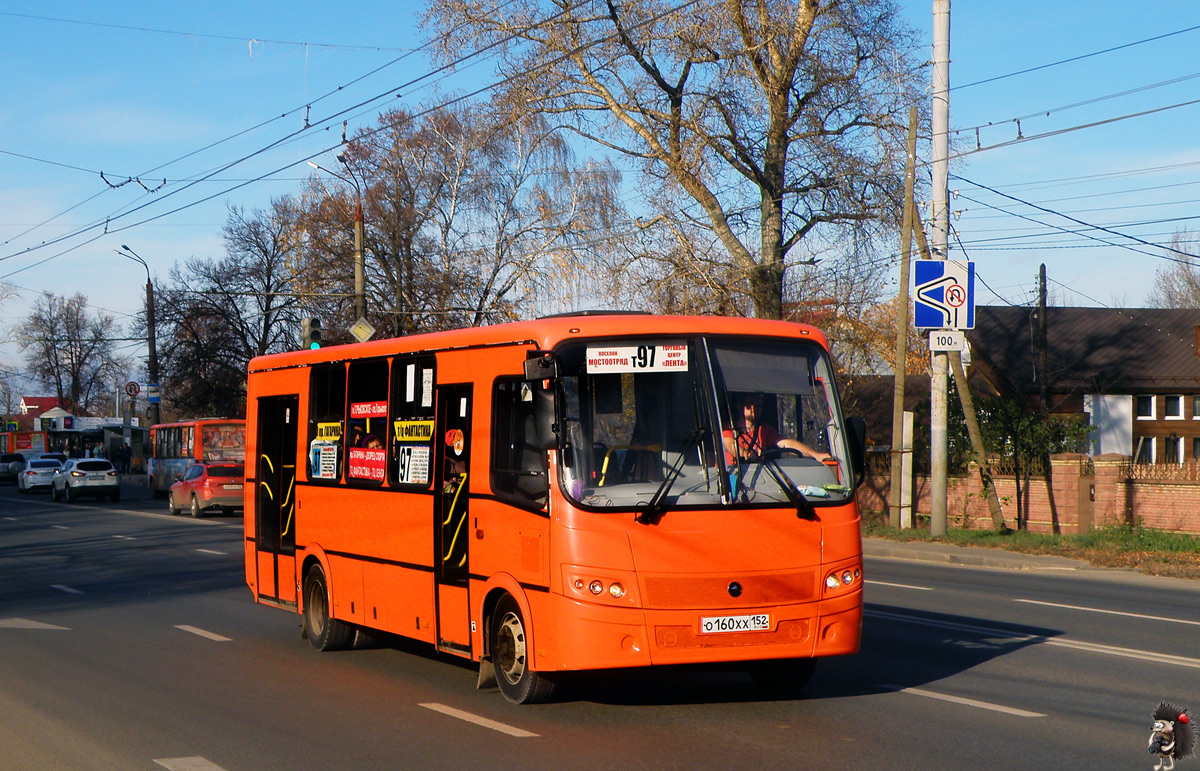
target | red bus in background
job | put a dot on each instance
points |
(24, 442)
(555, 495)
(176, 446)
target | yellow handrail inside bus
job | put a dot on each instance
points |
(614, 448)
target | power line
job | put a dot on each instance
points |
(1076, 58)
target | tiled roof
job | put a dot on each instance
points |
(1092, 350)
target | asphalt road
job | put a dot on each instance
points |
(128, 640)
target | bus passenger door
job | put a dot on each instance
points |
(451, 526)
(275, 501)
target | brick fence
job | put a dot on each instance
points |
(1080, 493)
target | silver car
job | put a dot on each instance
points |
(86, 476)
(37, 473)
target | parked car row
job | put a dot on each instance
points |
(203, 488)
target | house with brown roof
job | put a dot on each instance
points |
(1134, 372)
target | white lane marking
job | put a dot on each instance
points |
(24, 623)
(210, 551)
(1008, 636)
(902, 586)
(66, 589)
(480, 721)
(1110, 612)
(965, 702)
(60, 527)
(188, 764)
(203, 633)
(11, 519)
(126, 537)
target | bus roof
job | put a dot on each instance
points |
(545, 333)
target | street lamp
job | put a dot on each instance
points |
(359, 305)
(152, 396)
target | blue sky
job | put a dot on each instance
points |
(153, 90)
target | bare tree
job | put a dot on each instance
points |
(68, 350)
(1177, 284)
(468, 213)
(217, 314)
(768, 123)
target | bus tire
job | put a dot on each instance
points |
(782, 677)
(197, 512)
(324, 633)
(518, 681)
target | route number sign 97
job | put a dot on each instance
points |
(602, 359)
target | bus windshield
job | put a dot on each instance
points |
(701, 422)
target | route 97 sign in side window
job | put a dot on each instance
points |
(637, 358)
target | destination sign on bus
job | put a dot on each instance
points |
(636, 358)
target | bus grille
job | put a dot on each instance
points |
(787, 633)
(712, 592)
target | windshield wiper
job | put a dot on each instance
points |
(649, 513)
(804, 508)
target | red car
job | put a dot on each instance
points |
(207, 487)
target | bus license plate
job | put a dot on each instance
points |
(233, 487)
(758, 622)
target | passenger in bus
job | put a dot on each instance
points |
(748, 439)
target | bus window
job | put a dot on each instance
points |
(326, 419)
(367, 421)
(518, 465)
(411, 444)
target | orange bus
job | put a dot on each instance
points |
(24, 442)
(176, 446)
(554, 495)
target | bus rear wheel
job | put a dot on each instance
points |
(518, 682)
(324, 633)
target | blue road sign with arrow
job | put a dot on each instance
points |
(945, 294)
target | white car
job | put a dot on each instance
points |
(86, 476)
(37, 473)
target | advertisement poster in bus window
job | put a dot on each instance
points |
(224, 441)
(367, 458)
(413, 449)
(323, 451)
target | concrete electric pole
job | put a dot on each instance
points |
(940, 221)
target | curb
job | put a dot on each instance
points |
(968, 556)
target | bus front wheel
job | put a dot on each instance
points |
(518, 682)
(324, 633)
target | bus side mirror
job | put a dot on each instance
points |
(542, 367)
(545, 418)
(856, 430)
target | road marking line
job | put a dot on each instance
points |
(60, 527)
(11, 519)
(963, 701)
(902, 586)
(188, 764)
(24, 623)
(196, 630)
(1110, 612)
(126, 537)
(1008, 636)
(66, 589)
(480, 721)
(210, 551)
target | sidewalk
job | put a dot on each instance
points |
(971, 556)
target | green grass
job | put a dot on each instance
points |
(1151, 551)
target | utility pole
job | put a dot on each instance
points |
(896, 499)
(938, 407)
(1043, 362)
(360, 305)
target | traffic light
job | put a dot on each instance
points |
(310, 333)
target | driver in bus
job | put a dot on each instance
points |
(748, 439)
